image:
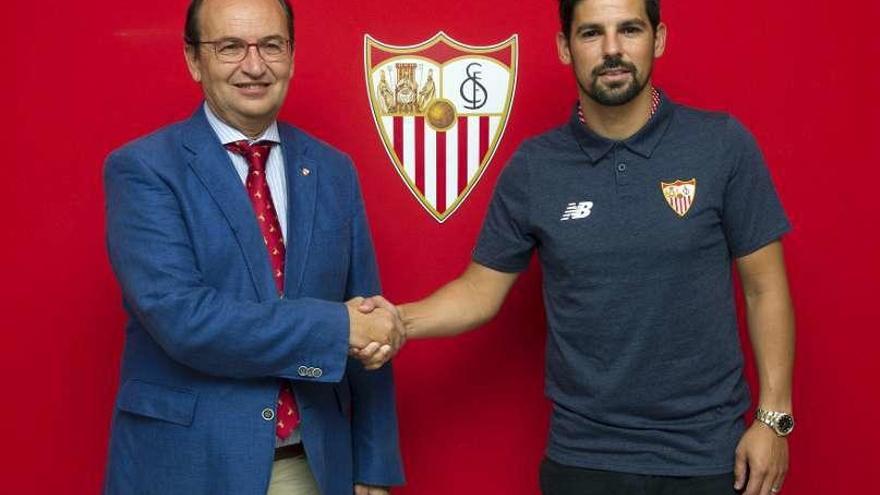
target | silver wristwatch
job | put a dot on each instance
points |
(782, 423)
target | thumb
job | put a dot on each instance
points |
(354, 302)
(367, 305)
(740, 469)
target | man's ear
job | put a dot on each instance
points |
(660, 40)
(193, 63)
(292, 60)
(563, 49)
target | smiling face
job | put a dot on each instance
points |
(611, 49)
(248, 94)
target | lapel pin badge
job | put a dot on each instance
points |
(306, 172)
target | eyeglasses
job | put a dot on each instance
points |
(234, 50)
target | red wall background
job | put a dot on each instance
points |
(86, 77)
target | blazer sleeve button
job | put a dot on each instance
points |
(268, 414)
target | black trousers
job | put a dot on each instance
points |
(557, 479)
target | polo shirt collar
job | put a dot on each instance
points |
(642, 143)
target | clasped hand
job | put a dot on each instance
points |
(376, 331)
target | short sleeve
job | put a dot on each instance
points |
(506, 240)
(753, 215)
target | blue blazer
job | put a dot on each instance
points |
(208, 339)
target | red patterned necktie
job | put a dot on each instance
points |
(256, 155)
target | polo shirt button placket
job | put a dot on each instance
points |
(620, 168)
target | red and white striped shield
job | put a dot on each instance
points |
(680, 195)
(441, 108)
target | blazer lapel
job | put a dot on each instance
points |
(211, 163)
(302, 184)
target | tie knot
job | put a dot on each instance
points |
(256, 154)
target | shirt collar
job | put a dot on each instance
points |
(642, 143)
(228, 134)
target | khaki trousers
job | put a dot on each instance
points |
(292, 476)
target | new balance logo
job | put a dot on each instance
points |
(577, 211)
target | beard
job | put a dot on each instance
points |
(616, 93)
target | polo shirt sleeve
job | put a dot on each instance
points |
(506, 240)
(753, 216)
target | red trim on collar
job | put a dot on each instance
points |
(655, 104)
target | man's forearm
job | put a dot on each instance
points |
(451, 310)
(467, 302)
(771, 330)
(771, 324)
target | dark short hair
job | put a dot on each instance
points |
(566, 14)
(192, 35)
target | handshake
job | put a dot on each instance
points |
(376, 330)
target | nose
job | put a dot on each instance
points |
(253, 63)
(611, 45)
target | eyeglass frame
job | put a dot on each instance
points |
(288, 43)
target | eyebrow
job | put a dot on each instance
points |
(271, 37)
(627, 23)
(634, 22)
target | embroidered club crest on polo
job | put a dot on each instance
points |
(441, 108)
(680, 195)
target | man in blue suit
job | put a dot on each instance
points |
(236, 241)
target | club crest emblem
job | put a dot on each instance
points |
(680, 195)
(441, 108)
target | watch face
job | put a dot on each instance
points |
(785, 424)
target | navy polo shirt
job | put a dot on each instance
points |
(635, 240)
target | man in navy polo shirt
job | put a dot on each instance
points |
(637, 208)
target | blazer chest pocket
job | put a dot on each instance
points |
(173, 405)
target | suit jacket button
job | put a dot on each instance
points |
(303, 371)
(317, 372)
(268, 414)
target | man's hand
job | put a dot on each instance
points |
(375, 354)
(762, 458)
(370, 490)
(370, 304)
(376, 332)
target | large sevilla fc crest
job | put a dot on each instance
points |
(441, 108)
